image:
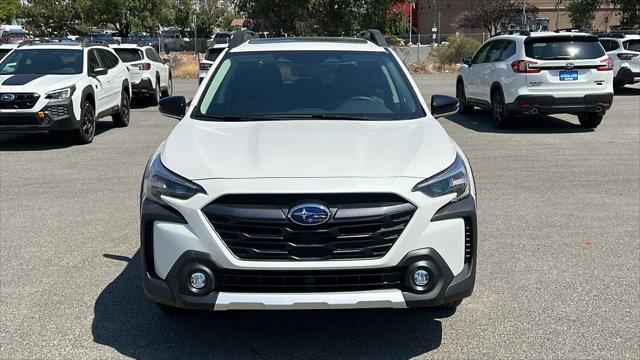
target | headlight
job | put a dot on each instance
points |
(60, 94)
(158, 180)
(455, 179)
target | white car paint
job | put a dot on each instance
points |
(479, 77)
(157, 70)
(262, 158)
(615, 46)
(107, 88)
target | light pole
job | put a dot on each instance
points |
(524, 14)
(410, 21)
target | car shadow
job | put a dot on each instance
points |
(141, 102)
(132, 325)
(627, 91)
(482, 121)
(38, 141)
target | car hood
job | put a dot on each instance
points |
(308, 149)
(37, 83)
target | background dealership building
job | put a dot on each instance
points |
(446, 12)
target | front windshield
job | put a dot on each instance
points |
(308, 84)
(42, 61)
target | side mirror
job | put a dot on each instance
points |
(100, 72)
(166, 61)
(467, 61)
(173, 107)
(442, 105)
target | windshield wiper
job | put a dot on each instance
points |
(232, 118)
(315, 116)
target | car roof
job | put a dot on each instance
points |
(308, 44)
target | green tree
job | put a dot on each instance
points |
(127, 15)
(50, 17)
(273, 15)
(8, 9)
(628, 13)
(582, 13)
(489, 15)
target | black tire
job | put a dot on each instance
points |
(154, 97)
(121, 118)
(169, 90)
(87, 130)
(463, 106)
(501, 117)
(590, 120)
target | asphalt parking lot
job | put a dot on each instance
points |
(558, 272)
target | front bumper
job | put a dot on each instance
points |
(144, 87)
(56, 115)
(550, 104)
(394, 292)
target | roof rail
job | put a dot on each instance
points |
(375, 36)
(572, 30)
(513, 32)
(240, 37)
(620, 34)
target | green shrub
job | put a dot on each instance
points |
(457, 49)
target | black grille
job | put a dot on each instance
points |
(468, 240)
(309, 281)
(21, 101)
(361, 226)
(57, 111)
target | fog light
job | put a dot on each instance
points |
(198, 280)
(421, 277)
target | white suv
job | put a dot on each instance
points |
(151, 75)
(63, 88)
(524, 73)
(624, 51)
(308, 174)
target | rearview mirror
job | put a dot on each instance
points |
(442, 105)
(173, 107)
(100, 72)
(467, 61)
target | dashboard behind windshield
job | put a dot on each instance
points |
(308, 84)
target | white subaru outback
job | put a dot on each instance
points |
(308, 174)
(523, 73)
(63, 88)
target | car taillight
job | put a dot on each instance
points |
(205, 66)
(523, 67)
(143, 66)
(607, 65)
(626, 56)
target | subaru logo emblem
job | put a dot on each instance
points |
(570, 65)
(309, 214)
(7, 97)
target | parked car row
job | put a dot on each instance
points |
(63, 87)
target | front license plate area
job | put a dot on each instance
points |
(568, 75)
